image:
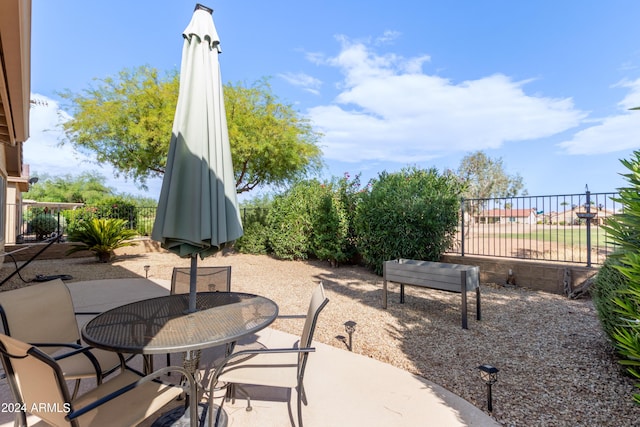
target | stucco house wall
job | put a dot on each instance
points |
(15, 96)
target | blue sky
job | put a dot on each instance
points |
(544, 85)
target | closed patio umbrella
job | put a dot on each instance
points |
(198, 209)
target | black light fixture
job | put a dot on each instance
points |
(350, 328)
(146, 271)
(489, 375)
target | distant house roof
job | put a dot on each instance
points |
(510, 213)
(51, 205)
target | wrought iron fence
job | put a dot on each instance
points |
(38, 222)
(564, 228)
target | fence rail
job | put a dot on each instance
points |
(37, 222)
(564, 228)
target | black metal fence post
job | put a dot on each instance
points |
(588, 211)
(462, 226)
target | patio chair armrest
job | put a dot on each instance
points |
(84, 316)
(242, 353)
(249, 352)
(71, 345)
(273, 350)
(78, 349)
(291, 316)
(143, 379)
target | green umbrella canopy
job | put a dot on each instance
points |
(198, 208)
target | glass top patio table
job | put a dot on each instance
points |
(162, 325)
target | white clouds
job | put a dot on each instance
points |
(389, 109)
(41, 151)
(358, 64)
(632, 100)
(414, 65)
(305, 81)
(387, 37)
(611, 134)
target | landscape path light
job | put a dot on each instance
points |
(350, 328)
(489, 375)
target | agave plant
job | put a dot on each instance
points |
(101, 236)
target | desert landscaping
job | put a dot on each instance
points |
(556, 366)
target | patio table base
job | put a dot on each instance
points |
(192, 361)
(179, 417)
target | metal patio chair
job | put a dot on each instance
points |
(208, 279)
(272, 367)
(43, 315)
(38, 385)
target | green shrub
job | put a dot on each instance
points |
(74, 217)
(254, 241)
(112, 207)
(409, 214)
(254, 223)
(43, 225)
(118, 208)
(101, 236)
(624, 230)
(609, 282)
(329, 228)
(311, 219)
(289, 221)
(144, 228)
(333, 234)
(145, 217)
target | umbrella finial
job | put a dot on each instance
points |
(203, 7)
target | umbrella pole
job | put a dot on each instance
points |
(193, 275)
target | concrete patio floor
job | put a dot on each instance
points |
(343, 388)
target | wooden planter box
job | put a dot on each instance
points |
(435, 275)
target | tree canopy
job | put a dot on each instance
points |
(88, 187)
(126, 121)
(486, 178)
(270, 142)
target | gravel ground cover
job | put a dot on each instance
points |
(556, 366)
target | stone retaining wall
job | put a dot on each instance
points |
(58, 250)
(539, 275)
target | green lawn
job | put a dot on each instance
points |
(567, 236)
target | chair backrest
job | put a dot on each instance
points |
(40, 313)
(208, 279)
(36, 381)
(318, 302)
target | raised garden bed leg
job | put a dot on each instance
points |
(463, 291)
